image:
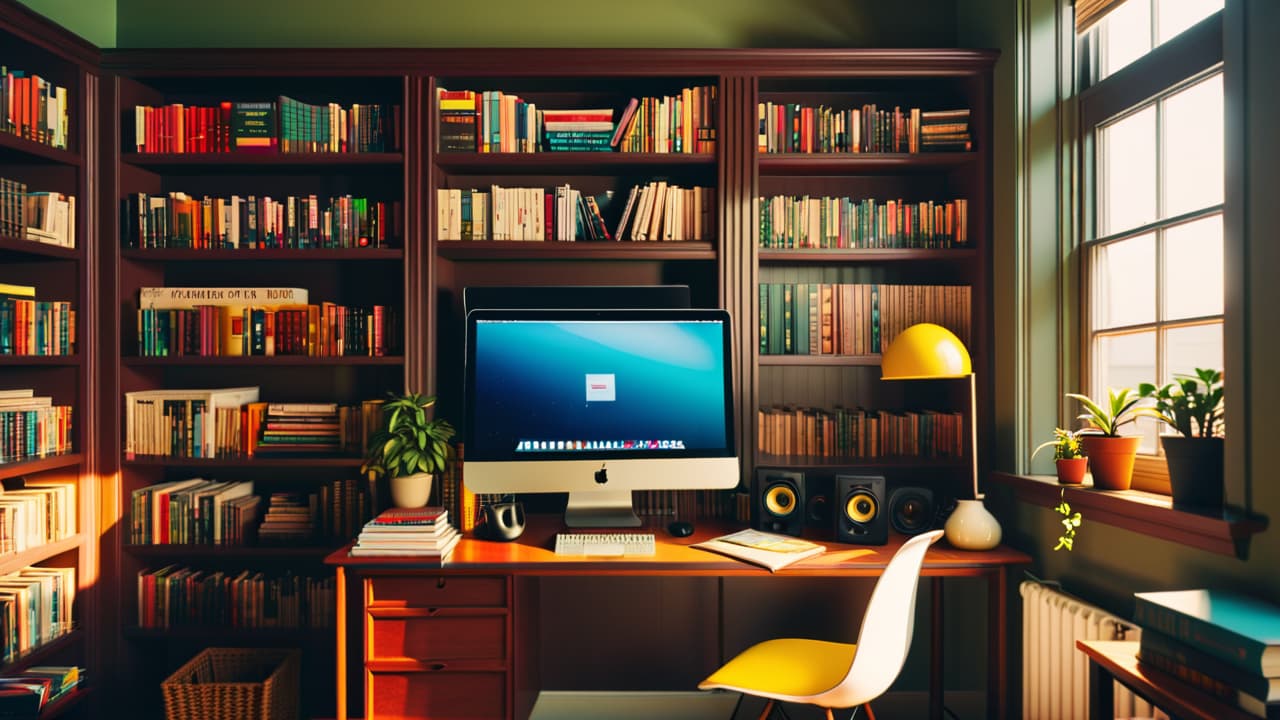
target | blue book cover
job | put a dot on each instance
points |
(1240, 630)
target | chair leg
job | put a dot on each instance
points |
(870, 715)
(768, 708)
(830, 716)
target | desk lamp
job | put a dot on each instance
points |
(926, 351)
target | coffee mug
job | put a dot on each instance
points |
(501, 521)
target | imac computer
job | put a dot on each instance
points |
(598, 403)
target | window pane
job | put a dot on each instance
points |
(1193, 147)
(1125, 282)
(1123, 361)
(1193, 269)
(1174, 16)
(1125, 34)
(1190, 347)
(1127, 172)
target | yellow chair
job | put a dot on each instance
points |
(837, 675)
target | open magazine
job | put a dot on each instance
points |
(765, 549)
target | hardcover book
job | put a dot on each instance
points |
(1237, 629)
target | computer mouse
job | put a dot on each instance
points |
(680, 528)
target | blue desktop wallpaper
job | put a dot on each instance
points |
(531, 384)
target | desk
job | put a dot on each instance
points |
(478, 607)
(1118, 660)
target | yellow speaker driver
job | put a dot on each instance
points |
(780, 500)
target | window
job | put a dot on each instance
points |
(1152, 123)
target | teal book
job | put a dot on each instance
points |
(1239, 630)
(1206, 672)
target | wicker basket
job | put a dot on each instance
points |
(234, 684)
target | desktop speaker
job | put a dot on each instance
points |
(777, 502)
(819, 507)
(912, 510)
(861, 518)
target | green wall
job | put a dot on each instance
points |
(93, 20)
(575, 23)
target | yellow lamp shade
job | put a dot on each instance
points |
(925, 351)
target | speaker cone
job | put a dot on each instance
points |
(861, 507)
(780, 500)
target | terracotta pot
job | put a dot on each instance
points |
(1195, 472)
(1071, 470)
(1111, 460)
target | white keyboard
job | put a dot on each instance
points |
(605, 544)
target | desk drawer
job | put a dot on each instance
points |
(470, 637)
(436, 695)
(427, 591)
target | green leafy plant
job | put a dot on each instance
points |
(1191, 404)
(1070, 522)
(1121, 409)
(408, 442)
(1065, 443)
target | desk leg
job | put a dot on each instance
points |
(936, 690)
(341, 624)
(1101, 693)
(997, 638)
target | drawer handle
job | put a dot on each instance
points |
(437, 666)
(440, 583)
(433, 611)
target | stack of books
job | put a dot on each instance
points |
(408, 531)
(26, 694)
(1224, 644)
(301, 428)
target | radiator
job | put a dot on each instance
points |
(1055, 675)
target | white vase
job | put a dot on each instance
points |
(411, 491)
(972, 527)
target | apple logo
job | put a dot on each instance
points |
(602, 476)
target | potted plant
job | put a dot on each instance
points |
(409, 448)
(1068, 455)
(1111, 454)
(1192, 406)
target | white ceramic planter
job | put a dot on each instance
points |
(411, 491)
(972, 527)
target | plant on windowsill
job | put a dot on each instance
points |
(1192, 406)
(409, 448)
(1068, 455)
(1111, 454)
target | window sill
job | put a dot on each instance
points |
(1142, 512)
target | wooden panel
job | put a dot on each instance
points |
(438, 638)
(438, 695)
(431, 590)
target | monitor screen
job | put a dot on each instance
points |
(554, 397)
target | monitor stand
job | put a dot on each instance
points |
(600, 509)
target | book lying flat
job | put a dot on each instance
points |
(765, 549)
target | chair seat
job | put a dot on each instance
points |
(785, 669)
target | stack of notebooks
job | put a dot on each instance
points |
(1224, 644)
(423, 532)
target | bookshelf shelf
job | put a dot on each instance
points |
(855, 163)
(542, 163)
(866, 255)
(177, 551)
(12, 248)
(30, 467)
(39, 360)
(164, 255)
(38, 655)
(16, 561)
(272, 462)
(191, 161)
(14, 148)
(821, 360)
(806, 462)
(66, 703)
(550, 250)
(263, 361)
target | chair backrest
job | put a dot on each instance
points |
(887, 625)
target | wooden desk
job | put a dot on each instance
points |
(1118, 659)
(478, 609)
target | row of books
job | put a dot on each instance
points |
(496, 121)
(422, 532)
(25, 695)
(40, 216)
(32, 515)
(656, 211)
(34, 108)
(1222, 643)
(36, 607)
(324, 330)
(842, 222)
(854, 319)
(856, 432)
(32, 426)
(796, 128)
(34, 327)
(253, 222)
(287, 125)
(174, 595)
(208, 512)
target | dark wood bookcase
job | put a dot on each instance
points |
(37, 47)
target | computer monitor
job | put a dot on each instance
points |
(598, 403)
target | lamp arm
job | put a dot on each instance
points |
(973, 432)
